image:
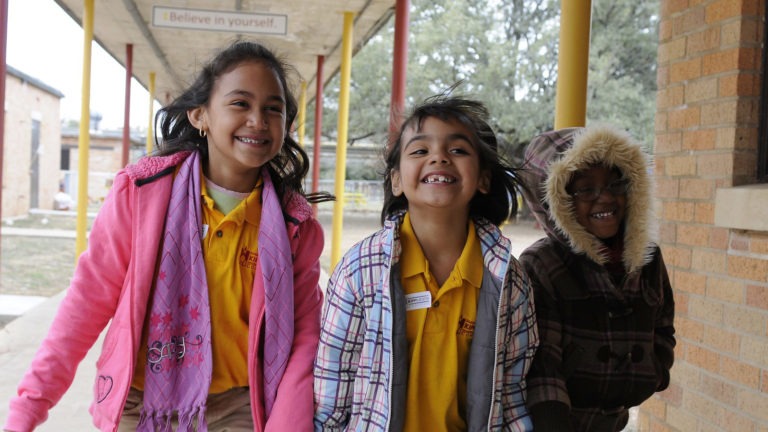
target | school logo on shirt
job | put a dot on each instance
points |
(466, 327)
(248, 258)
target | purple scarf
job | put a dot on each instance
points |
(178, 373)
(276, 265)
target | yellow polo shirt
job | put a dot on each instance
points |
(439, 336)
(230, 248)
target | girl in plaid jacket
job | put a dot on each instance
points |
(428, 324)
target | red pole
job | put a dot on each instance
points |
(318, 128)
(399, 65)
(3, 74)
(127, 113)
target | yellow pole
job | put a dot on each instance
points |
(341, 142)
(84, 140)
(573, 63)
(302, 111)
(150, 128)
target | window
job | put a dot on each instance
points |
(65, 159)
(762, 147)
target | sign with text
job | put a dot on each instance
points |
(236, 22)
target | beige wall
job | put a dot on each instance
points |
(104, 160)
(104, 154)
(707, 119)
(23, 103)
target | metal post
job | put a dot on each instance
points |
(150, 127)
(573, 63)
(3, 74)
(318, 128)
(84, 140)
(341, 142)
(399, 66)
(127, 104)
(302, 112)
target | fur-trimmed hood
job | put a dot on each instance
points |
(554, 157)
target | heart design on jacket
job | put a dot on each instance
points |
(103, 387)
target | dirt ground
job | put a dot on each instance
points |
(35, 266)
(43, 266)
(357, 226)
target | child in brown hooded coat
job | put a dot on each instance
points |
(603, 299)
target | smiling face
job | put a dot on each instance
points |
(245, 120)
(603, 216)
(439, 167)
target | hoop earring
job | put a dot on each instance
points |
(202, 132)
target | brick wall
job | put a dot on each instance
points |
(709, 77)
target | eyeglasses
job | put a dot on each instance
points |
(617, 187)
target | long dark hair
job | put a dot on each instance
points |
(288, 168)
(500, 203)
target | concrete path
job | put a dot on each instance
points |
(20, 338)
(18, 343)
(12, 306)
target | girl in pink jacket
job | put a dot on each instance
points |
(205, 257)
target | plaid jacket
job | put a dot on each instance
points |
(606, 345)
(361, 365)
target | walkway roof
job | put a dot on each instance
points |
(173, 37)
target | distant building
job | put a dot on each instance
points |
(105, 155)
(32, 144)
(361, 156)
(40, 157)
(105, 152)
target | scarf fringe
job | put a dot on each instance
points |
(187, 420)
(163, 421)
(202, 423)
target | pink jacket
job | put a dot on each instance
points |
(113, 280)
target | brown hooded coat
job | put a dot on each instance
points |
(605, 345)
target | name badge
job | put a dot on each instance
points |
(419, 300)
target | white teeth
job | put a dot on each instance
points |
(439, 179)
(251, 141)
(602, 215)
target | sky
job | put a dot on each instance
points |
(46, 44)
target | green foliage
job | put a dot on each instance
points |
(622, 71)
(365, 171)
(504, 52)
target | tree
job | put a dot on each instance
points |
(622, 72)
(505, 53)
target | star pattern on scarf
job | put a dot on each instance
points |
(154, 320)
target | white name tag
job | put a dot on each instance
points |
(419, 300)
